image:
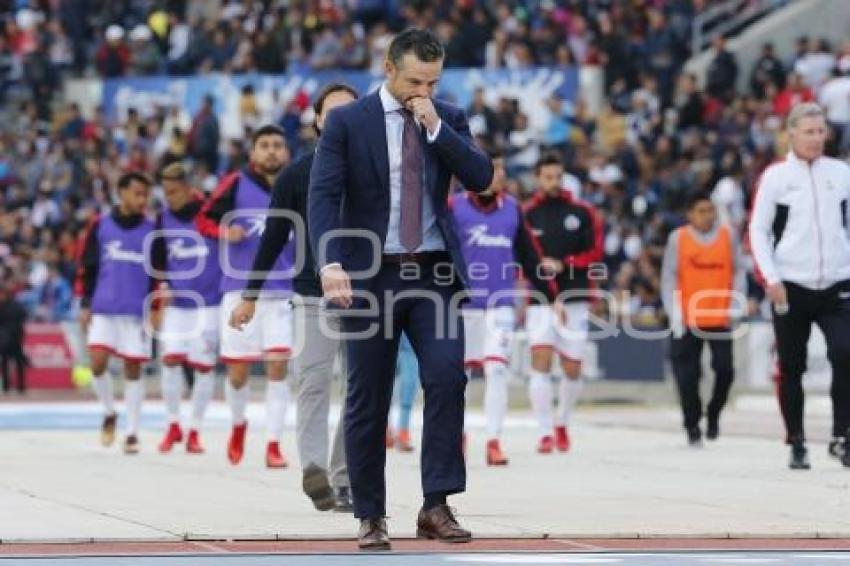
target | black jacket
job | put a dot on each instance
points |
(569, 230)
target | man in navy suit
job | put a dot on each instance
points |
(382, 169)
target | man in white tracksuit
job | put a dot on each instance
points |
(801, 244)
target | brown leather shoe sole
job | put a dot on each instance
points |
(316, 486)
(430, 535)
(374, 546)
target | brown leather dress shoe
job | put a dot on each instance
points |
(373, 535)
(439, 523)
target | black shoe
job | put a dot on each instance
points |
(342, 500)
(845, 456)
(836, 447)
(131, 445)
(695, 437)
(713, 430)
(799, 457)
(318, 489)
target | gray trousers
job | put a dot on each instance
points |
(314, 380)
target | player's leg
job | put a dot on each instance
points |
(722, 363)
(497, 338)
(202, 357)
(239, 349)
(541, 339)
(275, 322)
(572, 342)
(134, 395)
(173, 341)
(408, 388)
(101, 343)
(134, 346)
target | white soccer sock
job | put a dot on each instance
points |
(569, 391)
(134, 394)
(103, 390)
(540, 393)
(172, 390)
(495, 396)
(202, 394)
(238, 401)
(277, 399)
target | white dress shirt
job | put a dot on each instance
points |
(432, 239)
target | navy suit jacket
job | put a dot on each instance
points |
(350, 181)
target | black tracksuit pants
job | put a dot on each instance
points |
(830, 310)
(685, 355)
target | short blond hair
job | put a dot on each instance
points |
(804, 110)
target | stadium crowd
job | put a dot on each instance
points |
(659, 136)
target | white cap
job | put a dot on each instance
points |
(606, 175)
(140, 33)
(26, 19)
(612, 173)
(114, 33)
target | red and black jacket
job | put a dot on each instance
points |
(567, 229)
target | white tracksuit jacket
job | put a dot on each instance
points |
(799, 225)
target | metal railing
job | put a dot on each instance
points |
(724, 16)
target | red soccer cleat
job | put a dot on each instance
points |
(274, 457)
(193, 443)
(402, 441)
(495, 456)
(236, 445)
(173, 435)
(545, 445)
(562, 439)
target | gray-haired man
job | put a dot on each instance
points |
(801, 244)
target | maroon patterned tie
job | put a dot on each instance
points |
(410, 225)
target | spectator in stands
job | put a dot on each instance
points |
(45, 212)
(815, 67)
(326, 51)
(663, 54)
(354, 53)
(801, 49)
(794, 93)
(843, 59)
(204, 135)
(616, 59)
(558, 126)
(179, 35)
(722, 72)
(835, 99)
(60, 51)
(145, 56)
(767, 70)
(689, 103)
(54, 297)
(12, 319)
(268, 55)
(74, 125)
(113, 56)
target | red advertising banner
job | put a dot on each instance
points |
(50, 357)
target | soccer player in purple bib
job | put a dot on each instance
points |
(495, 242)
(236, 214)
(115, 286)
(189, 333)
